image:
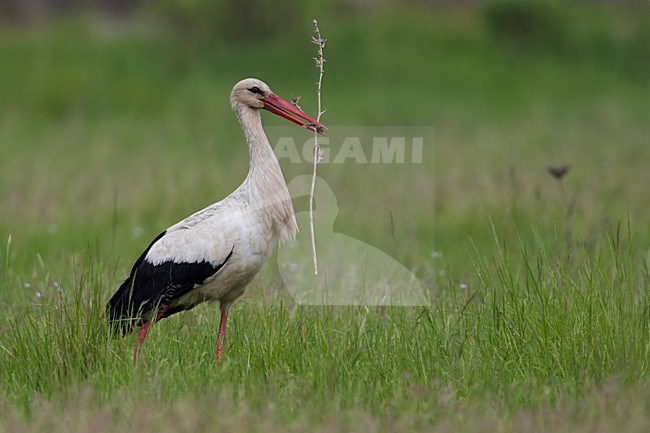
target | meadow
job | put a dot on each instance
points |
(539, 319)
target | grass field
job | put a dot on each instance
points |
(539, 316)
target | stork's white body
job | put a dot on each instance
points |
(250, 223)
(213, 254)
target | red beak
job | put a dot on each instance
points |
(282, 108)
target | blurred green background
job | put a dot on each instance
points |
(115, 122)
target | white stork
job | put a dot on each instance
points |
(213, 254)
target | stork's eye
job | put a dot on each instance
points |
(256, 90)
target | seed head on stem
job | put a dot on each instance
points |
(320, 62)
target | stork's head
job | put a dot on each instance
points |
(255, 94)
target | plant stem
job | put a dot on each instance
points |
(320, 60)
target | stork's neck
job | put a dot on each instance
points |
(264, 171)
(265, 183)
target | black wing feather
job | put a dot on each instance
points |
(149, 286)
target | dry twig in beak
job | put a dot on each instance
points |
(320, 61)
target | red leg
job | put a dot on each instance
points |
(218, 351)
(142, 333)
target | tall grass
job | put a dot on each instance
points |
(527, 330)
